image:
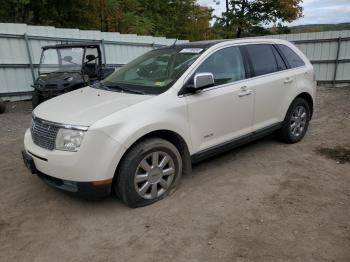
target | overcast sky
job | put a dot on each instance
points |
(315, 11)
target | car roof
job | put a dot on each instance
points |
(209, 43)
(196, 44)
(74, 45)
(201, 44)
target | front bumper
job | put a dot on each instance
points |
(49, 94)
(96, 160)
(88, 190)
(87, 173)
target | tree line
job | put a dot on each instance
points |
(183, 19)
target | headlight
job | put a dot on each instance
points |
(69, 139)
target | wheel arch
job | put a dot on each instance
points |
(173, 137)
(308, 98)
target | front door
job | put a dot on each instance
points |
(224, 112)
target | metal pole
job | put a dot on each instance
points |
(104, 52)
(79, 40)
(336, 61)
(29, 57)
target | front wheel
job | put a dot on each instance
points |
(296, 122)
(148, 172)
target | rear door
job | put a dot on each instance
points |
(272, 84)
(223, 112)
(304, 76)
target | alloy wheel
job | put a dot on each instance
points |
(298, 121)
(154, 175)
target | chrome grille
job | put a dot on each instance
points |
(44, 133)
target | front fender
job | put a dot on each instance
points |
(128, 132)
(137, 134)
(159, 113)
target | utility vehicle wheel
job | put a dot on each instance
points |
(2, 107)
(36, 99)
(148, 172)
(296, 122)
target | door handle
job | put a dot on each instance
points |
(245, 91)
(288, 80)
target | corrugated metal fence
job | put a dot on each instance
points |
(20, 49)
(329, 52)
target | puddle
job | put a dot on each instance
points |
(340, 154)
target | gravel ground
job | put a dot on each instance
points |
(266, 201)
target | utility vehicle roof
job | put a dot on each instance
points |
(75, 45)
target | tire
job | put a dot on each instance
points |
(36, 99)
(138, 183)
(296, 122)
(2, 107)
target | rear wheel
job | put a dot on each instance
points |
(296, 122)
(36, 99)
(148, 172)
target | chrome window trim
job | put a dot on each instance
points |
(240, 81)
(190, 73)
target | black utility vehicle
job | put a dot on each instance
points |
(2, 107)
(66, 67)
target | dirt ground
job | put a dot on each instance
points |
(266, 201)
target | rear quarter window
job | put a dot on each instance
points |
(292, 58)
(262, 58)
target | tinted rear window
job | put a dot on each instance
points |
(262, 58)
(292, 58)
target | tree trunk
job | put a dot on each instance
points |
(101, 15)
(227, 21)
(241, 16)
(239, 32)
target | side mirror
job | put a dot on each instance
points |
(202, 80)
(90, 58)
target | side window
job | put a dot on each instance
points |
(292, 58)
(226, 65)
(262, 58)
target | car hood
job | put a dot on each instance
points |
(85, 106)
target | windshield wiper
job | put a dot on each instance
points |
(99, 85)
(133, 91)
(112, 86)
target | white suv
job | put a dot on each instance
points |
(139, 130)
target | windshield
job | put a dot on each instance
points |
(61, 59)
(153, 72)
